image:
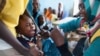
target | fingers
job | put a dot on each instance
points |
(45, 33)
(41, 53)
(34, 50)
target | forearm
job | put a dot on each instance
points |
(6, 35)
(95, 19)
(95, 27)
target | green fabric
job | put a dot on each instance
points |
(88, 8)
(94, 49)
(71, 25)
(29, 7)
(95, 7)
(91, 12)
(49, 48)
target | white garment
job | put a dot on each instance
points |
(4, 45)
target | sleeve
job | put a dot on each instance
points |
(71, 25)
(11, 12)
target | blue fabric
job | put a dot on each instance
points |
(71, 25)
(37, 13)
(36, 18)
(91, 13)
(49, 48)
(95, 9)
(88, 8)
(94, 49)
(30, 7)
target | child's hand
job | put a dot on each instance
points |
(39, 42)
(45, 33)
(34, 50)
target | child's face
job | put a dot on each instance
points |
(83, 12)
(41, 21)
(27, 27)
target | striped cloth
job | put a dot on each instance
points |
(92, 7)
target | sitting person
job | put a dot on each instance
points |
(67, 27)
(49, 47)
(44, 23)
(36, 10)
(60, 10)
(59, 40)
(26, 34)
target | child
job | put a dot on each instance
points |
(26, 33)
(44, 23)
(49, 48)
(60, 10)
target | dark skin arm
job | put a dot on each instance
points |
(6, 35)
(95, 19)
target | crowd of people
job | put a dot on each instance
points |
(28, 32)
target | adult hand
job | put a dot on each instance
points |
(57, 36)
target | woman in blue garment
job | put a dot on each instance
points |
(72, 26)
(94, 33)
(33, 9)
(93, 50)
(36, 10)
